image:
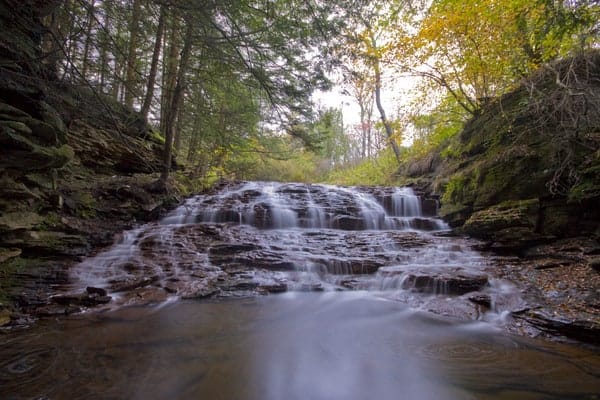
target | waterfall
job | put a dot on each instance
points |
(268, 237)
(278, 205)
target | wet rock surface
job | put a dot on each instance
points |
(251, 239)
(561, 289)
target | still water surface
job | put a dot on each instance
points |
(321, 346)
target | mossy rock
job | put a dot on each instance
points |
(47, 243)
(558, 219)
(9, 112)
(19, 220)
(17, 126)
(82, 204)
(460, 189)
(45, 133)
(488, 223)
(24, 155)
(9, 189)
(41, 180)
(455, 214)
(4, 317)
(588, 187)
(52, 118)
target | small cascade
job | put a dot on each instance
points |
(279, 206)
(317, 217)
(279, 213)
(184, 214)
(405, 203)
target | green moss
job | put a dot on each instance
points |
(156, 137)
(51, 221)
(459, 189)
(506, 215)
(86, 205)
(584, 191)
(588, 187)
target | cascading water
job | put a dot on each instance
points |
(272, 237)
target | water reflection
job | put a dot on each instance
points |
(296, 346)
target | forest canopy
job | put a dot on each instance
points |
(228, 86)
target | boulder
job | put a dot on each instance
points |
(510, 225)
(21, 154)
(544, 319)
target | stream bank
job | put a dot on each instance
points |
(523, 177)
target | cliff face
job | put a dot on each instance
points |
(527, 170)
(74, 164)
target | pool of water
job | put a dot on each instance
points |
(330, 345)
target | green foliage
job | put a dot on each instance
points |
(478, 50)
(302, 167)
(434, 129)
(458, 189)
(376, 171)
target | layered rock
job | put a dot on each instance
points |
(74, 164)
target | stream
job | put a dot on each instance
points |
(290, 291)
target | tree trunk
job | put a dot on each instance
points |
(389, 132)
(194, 139)
(118, 68)
(104, 44)
(50, 44)
(175, 105)
(177, 133)
(154, 65)
(170, 72)
(363, 131)
(88, 40)
(130, 76)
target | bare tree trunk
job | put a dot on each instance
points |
(194, 139)
(118, 69)
(88, 40)
(154, 64)
(177, 133)
(170, 72)
(104, 46)
(389, 132)
(50, 44)
(175, 105)
(363, 131)
(130, 76)
(69, 26)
